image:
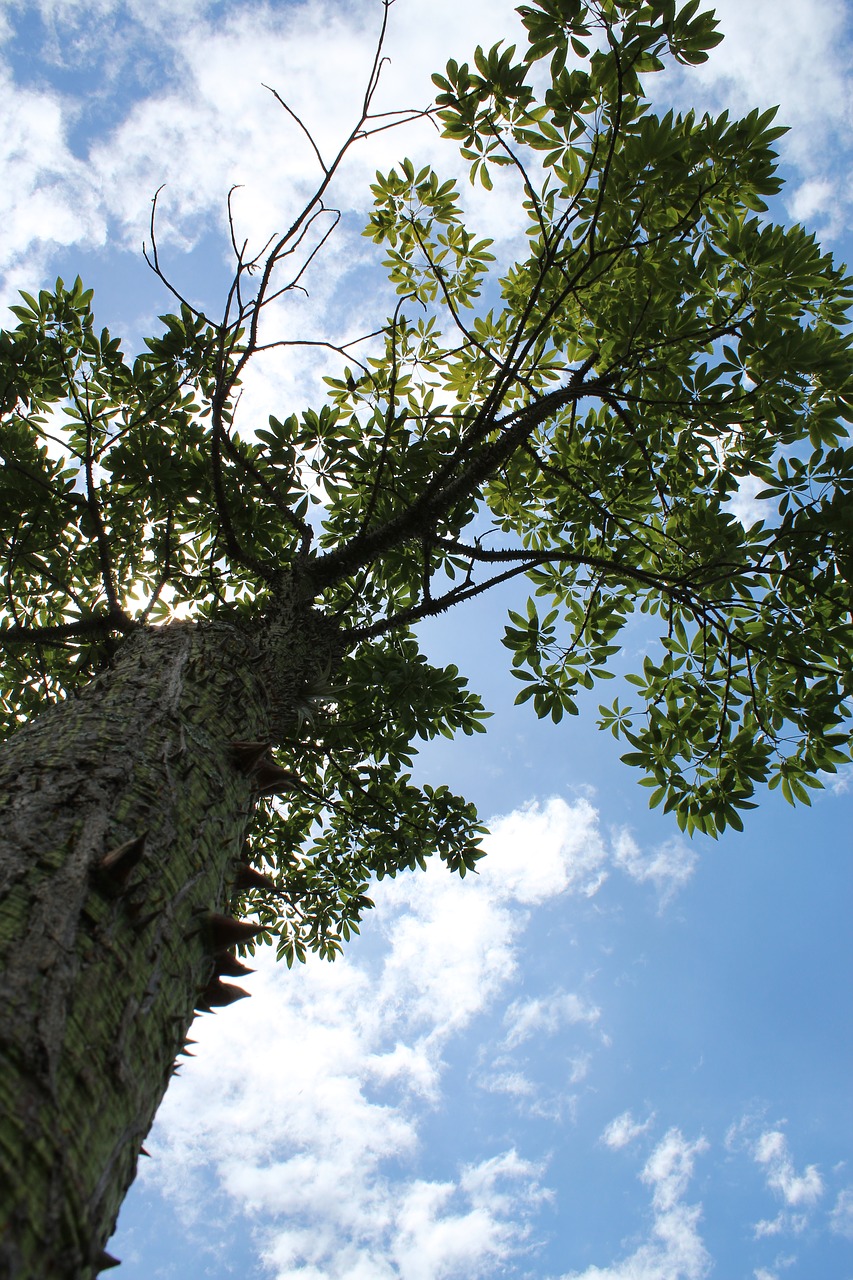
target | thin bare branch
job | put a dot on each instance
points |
(306, 131)
(153, 260)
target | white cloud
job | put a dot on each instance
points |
(839, 783)
(514, 1083)
(804, 1189)
(535, 854)
(436, 1230)
(770, 1226)
(623, 1130)
(782, 1263)
(433, 1243)
(215, 125)
(841, 1216)
(306, 1102)
(675, 1250)
(744, 503)
(798, 1192)
(810, 198)
(46, 194)
(670, 1167)
(579, 1067)
(547, 1014)
(668, 866)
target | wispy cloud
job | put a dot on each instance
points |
(46, 193)
(841, 782)
(624, 1129)
(674, 1249)
(798, 1192)
(546, 1015)
(841, 1215)
(796, 1189)
(667, 866)
(428, 1229)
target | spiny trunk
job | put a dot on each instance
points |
(102, 962)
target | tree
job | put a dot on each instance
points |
(212, 689)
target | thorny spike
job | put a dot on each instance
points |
(115, 867)
(217, 994)
(106, 1260)
(246, 756)
(270, 779)
(229, 966)
(143, 1152)
(248, 878)
(223, 932)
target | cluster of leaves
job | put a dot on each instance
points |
(355, 813)
(105, 488)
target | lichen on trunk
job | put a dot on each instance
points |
(122, 816)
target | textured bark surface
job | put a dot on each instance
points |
(102, 968)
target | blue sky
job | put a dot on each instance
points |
(613, 1055)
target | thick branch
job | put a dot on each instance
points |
(96, 627)
(442, 493)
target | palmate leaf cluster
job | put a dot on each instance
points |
(590, 412)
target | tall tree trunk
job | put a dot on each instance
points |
(102, 961)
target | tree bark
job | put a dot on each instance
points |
(103, 962)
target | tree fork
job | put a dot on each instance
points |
(122, 814)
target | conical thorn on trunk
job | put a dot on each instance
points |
(105, 1260)
(223, 932)
(218, 994)
(143, 1152)
(228, 966)
(246, 756)
(114, 868)
(271, 779)
(248, 878)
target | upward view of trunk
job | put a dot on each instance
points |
(122, 816)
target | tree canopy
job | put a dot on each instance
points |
(585, 415)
